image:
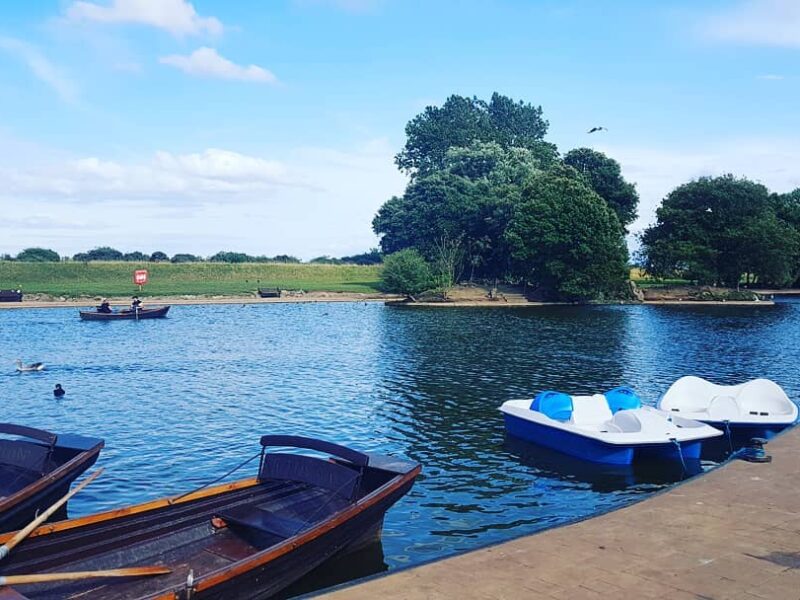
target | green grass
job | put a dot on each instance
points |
(643, 280)
(116, 278)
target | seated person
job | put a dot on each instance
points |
(136, 303)
(104, 307)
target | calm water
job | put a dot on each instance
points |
(182, 400)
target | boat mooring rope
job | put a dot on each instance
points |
(680, 454)
(728, 435)
(218, 479)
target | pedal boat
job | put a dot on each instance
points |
(612, 428)
(757, 408)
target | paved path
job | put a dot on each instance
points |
(733, 533)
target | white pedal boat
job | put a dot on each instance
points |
(758, 408)
(611, 428)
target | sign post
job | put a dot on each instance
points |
(139, 278)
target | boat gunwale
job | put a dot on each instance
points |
(43, 482)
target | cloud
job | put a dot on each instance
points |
(178, 17)
(206, 62)
(314, 201)
(41, 67)
(758, 22)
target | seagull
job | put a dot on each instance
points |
(593, 129)
(22, 368)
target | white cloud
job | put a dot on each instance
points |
(41, 67)
(657, 171)
(178, 17)
(315, 201)
(206, 62)
(758, 22)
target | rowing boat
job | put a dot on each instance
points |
(130, 314)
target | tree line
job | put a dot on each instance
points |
(489, 198)
(106, 253)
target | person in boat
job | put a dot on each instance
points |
(136, 303)
(59, 391)
(104, 307)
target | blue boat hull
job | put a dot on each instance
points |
(594, 451)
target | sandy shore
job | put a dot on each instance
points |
(188, 300)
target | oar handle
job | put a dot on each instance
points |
(75, 575)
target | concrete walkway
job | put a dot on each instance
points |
(733, 533)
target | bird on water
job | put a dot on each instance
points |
(59, 391)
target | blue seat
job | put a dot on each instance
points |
(622, 398)
(556, 405)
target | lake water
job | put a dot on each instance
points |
(180, 401)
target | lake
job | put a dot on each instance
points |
(181, 401)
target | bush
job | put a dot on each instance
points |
(406, 272)
(38, 255)
(185, 258)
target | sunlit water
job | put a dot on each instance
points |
(182, 400)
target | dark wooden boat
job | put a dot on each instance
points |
(36, 468)
(10, 296)
(244, 540)
(142, 313)
(269, 292)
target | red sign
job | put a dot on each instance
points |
(140, 277)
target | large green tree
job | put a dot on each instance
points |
(566, 241)
(604, 176)
(470, 199)
(719, 230)
(38, 255)
(460, 121)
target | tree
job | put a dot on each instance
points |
(373, 257)
(38, 255)
(135, 256)
(185, 258)
(159, 256)
(406, 272)
(604, 176)
(719, 230)
(285, 258)
(448, 258)
(461, 121)
(566, 240)
(231, 257)
(325, 260)
(470, 200)
(102, 253)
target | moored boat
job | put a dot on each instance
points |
(611, 428)
(247, 539)
(757, 408)
(128, 314)
(36, 468)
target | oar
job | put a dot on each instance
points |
(46, 577)
(23, 533)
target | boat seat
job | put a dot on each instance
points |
(724, 408)
(590, 410)
(257, 518)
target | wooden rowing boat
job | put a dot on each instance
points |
(244, 540)
(36, 467)
(130, 315)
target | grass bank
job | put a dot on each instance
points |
(116, 278)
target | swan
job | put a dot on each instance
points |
(22, 368)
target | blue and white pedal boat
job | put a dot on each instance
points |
(611, 428)
(757, 408)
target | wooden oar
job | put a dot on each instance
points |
(47, 577)
(23, 533)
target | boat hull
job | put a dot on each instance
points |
(596, 451)
(145, 313)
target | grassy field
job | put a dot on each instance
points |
(116, 278)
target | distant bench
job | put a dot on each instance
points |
(269, 292)
(10, 296)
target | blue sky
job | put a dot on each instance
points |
(270, 127)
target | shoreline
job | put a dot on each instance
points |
(316, 297)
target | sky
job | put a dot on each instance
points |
(269, 127)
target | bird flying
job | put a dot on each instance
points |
(593, 129)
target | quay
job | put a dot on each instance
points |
(732, 533)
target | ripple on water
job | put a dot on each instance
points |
(182, 400)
